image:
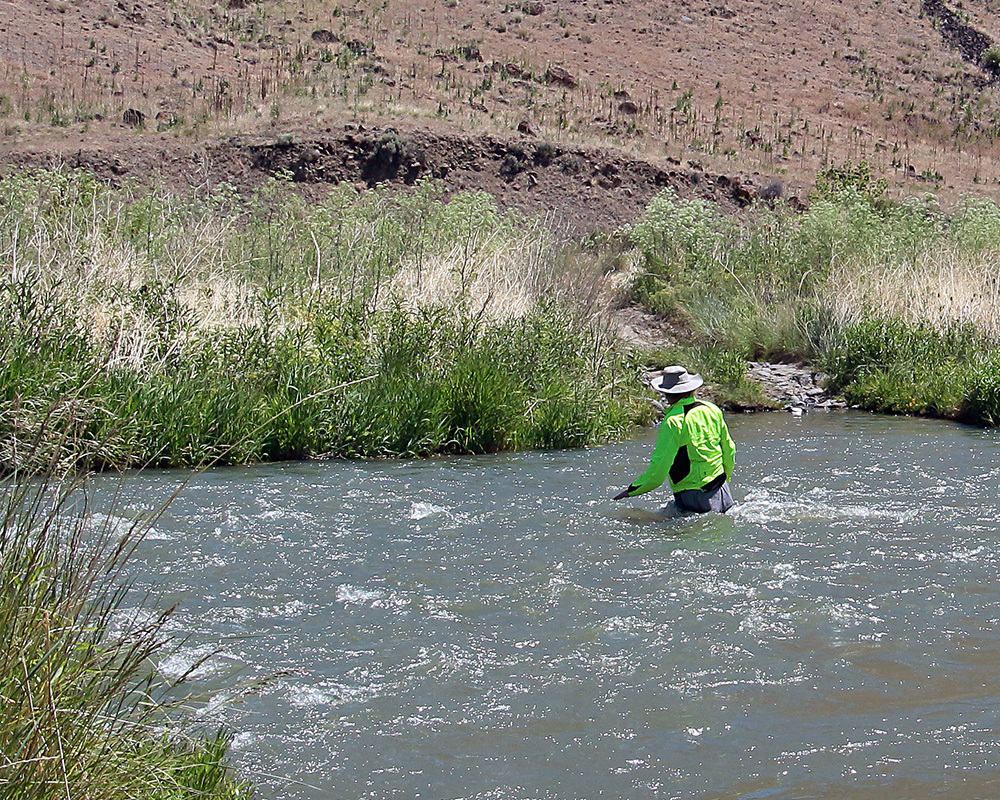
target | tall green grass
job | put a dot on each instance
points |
(177, 331)
(79, 714)
(182, 330)
(898, 301)
(889, 365)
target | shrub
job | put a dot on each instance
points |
(857, 179)
(982, 394)
(888, 365)
(989, 59)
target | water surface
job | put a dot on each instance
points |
(497, 627)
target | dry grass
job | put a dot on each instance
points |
(507, 277)
(940, 288)
(498, 286)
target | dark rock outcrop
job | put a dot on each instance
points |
(133, 117)
(964, 38)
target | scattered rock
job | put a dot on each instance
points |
(773, 191)
(560, 76)
(528, 128)
(722, 11)
(798, 389)
(324, 36)
(133, 117)
(745, 194)
(470, 52)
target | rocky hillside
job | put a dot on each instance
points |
(583, 106)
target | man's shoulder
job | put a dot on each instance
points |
(697, 402)
(679, 411)
(709, 404)
(706, 407)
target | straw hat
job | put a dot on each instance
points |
(676, 380)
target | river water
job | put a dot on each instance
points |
(497, 627)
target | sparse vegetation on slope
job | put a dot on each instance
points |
(781, 90)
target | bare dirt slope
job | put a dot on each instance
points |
(582, 106)
(580, 189)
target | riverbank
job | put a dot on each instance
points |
(180, 330)
(897, 303)
(172, 331)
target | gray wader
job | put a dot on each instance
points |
(719, 499)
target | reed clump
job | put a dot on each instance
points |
(178, 331)
(81, 710)
(897, 301)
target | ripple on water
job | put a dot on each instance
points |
(121, 527)
(329, 693)
(819, 505)
(496, 627)
(197, 663)
(422, 510)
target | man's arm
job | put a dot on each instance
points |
(728, 451)
(659, 465)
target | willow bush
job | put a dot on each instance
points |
(173, 331)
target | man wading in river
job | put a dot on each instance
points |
(694, 448)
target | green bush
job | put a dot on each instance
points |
(888, 365)
(982, 393)
(989, 59)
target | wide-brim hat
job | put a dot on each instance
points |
(676, 380)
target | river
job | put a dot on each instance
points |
(497, 627)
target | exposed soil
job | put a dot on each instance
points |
(644, 330)
(581, 188)
(580, 107)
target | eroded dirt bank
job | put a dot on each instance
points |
(580, 187)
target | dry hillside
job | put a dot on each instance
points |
(584, 106)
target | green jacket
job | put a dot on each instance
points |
(693, 448)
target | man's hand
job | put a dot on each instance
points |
(623, 495)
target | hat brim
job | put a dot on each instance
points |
(689, 385)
